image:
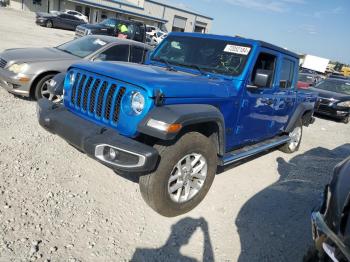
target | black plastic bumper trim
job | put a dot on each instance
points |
(86, 135)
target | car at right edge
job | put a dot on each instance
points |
(331, 222)
(333, 98)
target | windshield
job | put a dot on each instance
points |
(109, 22)
(306, 78)
(83, 46)
(209, 55)
(342, 87)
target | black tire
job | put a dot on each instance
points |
(346, 120)
(40, 85)
(154, 186)
(49, 24)
(287, 147)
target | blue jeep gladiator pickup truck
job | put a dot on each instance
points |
(199, 101)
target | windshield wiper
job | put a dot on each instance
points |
(198, 68)
(166, 62)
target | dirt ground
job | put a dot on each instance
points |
(57, 204)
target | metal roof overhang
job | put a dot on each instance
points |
(119, 10)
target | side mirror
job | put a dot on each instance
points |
(262, 78)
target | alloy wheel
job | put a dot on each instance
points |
(187, 177)
(295, 137)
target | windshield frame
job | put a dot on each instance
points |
(209, 71)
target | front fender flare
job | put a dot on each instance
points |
(186, 115)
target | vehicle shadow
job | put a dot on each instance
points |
(180, 235)
(274, 225)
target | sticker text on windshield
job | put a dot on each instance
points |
(236, 49)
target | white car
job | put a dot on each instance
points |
(78, 15)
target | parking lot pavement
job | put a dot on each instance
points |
(58, 204)
(18, 29)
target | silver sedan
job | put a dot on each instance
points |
(27, 71)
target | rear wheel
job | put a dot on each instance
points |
(49, 24)
(295, 139)
(183, 177)
(42, 87)
(346, 120)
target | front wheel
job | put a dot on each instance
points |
(49, 24)
(42, 87)
(185, 172)
(295, 139)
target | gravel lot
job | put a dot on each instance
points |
(57, 204)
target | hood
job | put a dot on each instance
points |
(172, 84)
(329, 94)
(35, 55)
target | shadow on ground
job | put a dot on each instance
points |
(274, 225)
(180, 235)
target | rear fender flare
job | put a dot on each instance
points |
(298, 114)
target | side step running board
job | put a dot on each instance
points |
(251, 150)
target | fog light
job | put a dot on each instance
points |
(119, 157)
(112, 153)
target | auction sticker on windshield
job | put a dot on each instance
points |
(236, 49)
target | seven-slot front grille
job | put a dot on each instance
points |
(96, 97)
(2, 63)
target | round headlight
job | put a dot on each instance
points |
(137, 102)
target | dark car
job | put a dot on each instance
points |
(114, 27)
(58, 20)
(333, 98)
(331, 222)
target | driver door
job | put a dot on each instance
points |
(255, 118)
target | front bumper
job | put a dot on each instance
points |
(332, 111)
(41, 22)
(13, 84)
(322, 234)
(90, 138)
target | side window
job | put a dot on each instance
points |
(115, 53)
(64, 16)
(287, 72)
(265, 64)
(136, 54)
